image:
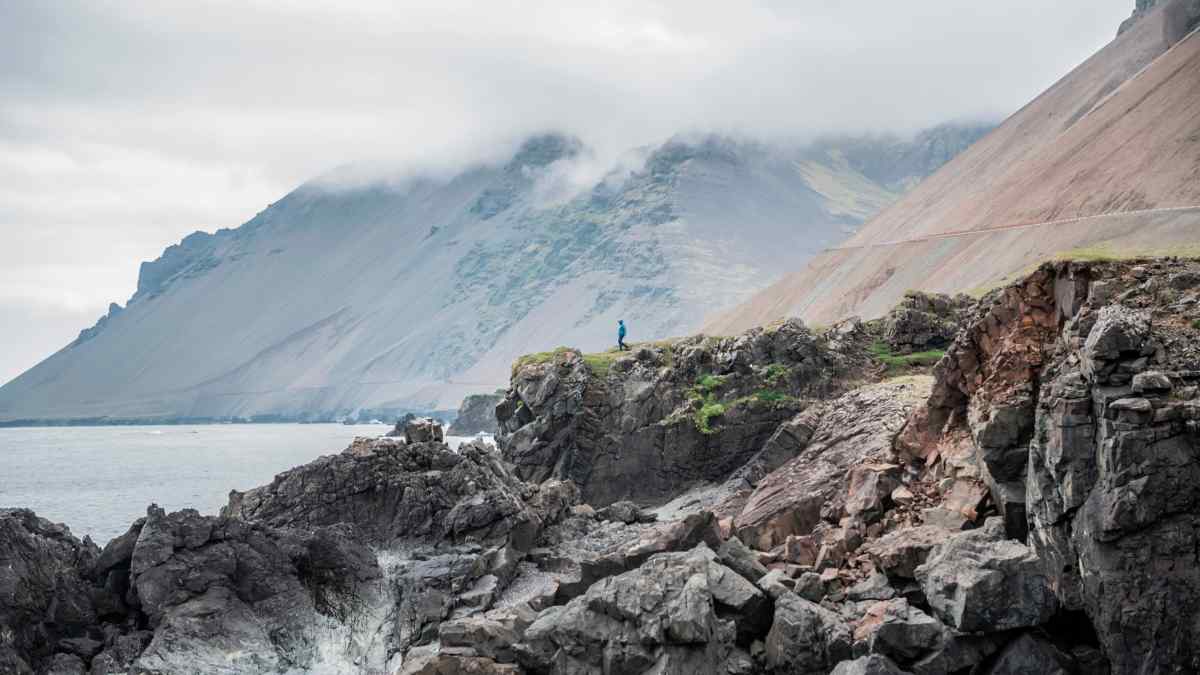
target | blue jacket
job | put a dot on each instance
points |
(621, 331)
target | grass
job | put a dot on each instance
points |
(899, 362)
(776, 373)
(1196, 324)
(706, 413)
(538, 358)
(770, 396)
(704, 399)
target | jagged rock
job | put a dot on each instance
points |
(899, 553)
(1152, 383)
(1119, 332)
(423, 430)
(66, 664)
(734, 555)
(625, 512)
(874, 587)
(897, 630)
(957, 653)
(637, 431)
(871, 664)
(44, 595)
(669, 614)
(477, 414)
(805, 637)
(419, 492)
(978, 581)
(858, 428)
(453, 664)
(491, 635)
(924, 321)
(680, 535)
(222, 593)
(1030, 654)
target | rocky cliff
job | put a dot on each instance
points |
(1025, 505)
(477, 414)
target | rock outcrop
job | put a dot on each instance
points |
(924, 321)
(46, 601)
(393, 491)
(477, 414)
(647, 425)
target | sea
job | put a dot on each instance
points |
(98, 480)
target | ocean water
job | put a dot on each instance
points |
(97, 480)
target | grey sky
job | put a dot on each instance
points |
(125, 125)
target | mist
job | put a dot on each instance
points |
(126, 125)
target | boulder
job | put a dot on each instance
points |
(901, 552)
(979, 581)
(677, 613)
(1030, 654)
(898, 630)
(423, 430)
(224, 593)
(871, 664)
(45, 596)
(418, 492)
(805, 637)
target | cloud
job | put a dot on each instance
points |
(126, 125)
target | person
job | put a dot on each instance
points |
(621, 335)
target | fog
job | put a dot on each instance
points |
(124, 125)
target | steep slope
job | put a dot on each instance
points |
(407, 295)
(1118, 135)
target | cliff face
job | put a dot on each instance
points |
(648, 424)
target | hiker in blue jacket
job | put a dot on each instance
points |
(621, 335)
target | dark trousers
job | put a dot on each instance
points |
(621, 343)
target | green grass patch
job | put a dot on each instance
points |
(770, 396)
(600, 363)
(898, 362)
(1196, 324)
(706, 413)
(538, 358)
(775, 373)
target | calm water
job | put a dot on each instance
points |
(98, 480)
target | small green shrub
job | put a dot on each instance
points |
(1196, 324)
(776, 373)
(706, 413)
(896, 362)
(770, 396)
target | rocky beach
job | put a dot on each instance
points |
(990, 486)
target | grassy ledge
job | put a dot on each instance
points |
(900, 362)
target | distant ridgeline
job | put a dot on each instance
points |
(406, 295)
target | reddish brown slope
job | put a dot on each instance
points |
(1120, 133)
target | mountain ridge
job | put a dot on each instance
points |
(408, 295)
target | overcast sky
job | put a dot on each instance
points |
(125, 125)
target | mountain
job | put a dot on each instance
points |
(345, 298)
(1105, 162)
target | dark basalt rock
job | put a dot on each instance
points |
(635, 433)
(399, 492)
(44, 595)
